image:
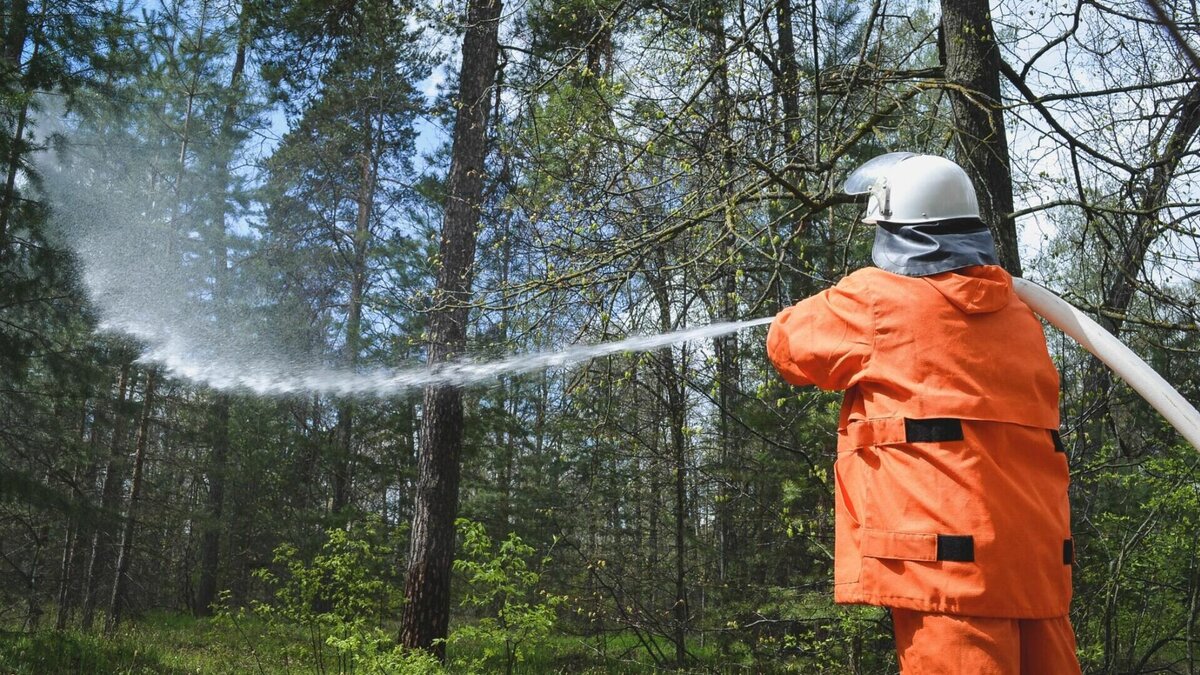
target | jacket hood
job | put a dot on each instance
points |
(975, 290)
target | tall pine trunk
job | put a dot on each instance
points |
(210, 539)
(117, 599)
(65, 567)
(109, 494)
(672, 382)
(726, 347)
(88, 435)
(33, 605)
(431, 551)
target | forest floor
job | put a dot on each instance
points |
(174, 644)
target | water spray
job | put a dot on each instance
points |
(132, 266)
(386, 382)
(139, 288)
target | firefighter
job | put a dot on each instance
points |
(951, 479)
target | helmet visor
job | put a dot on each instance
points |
(863, 178)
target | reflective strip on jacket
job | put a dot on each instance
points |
(950, 482)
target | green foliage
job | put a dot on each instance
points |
(798, 630)
(339, 601)
(1135, 600)
(500, 579)
(330, 612)
(347, 576)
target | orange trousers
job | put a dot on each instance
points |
(947, 644)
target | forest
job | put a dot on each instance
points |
(268, 268)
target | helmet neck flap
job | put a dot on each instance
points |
(922, 249)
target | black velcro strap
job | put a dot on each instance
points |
(1068, 551)
(956, 547)
(1058, 444)
(932, 430)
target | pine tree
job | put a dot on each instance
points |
(431, 551)
(336, 185)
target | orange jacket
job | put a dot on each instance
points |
(951, 483)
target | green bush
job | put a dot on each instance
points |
(500, 579)
(339, 602)
(329, 613)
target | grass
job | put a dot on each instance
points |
(174, 644)
(167, 644)
(71, 652)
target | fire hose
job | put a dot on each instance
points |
(1121, 359)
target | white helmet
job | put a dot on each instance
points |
(909, 188)
(925, 212)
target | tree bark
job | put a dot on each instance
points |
(971, 58)
(33, 606)
(109, 493)
(15, 36)
(210, 540)
(135, 495)
(506, 399)
(676, 419)
(89, 434)
(788, 81)
(66, 564)
(726, 347)
(675, 405)
(427, 586)
(1148, 193)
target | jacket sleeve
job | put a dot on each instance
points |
(827, 339)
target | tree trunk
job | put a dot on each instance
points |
(676, 419)
(15, 31)
(787, 83)
(726, 347)
(307, 460)
(368, 168)
(972, 66)
(33, 607)
(1148, 195)
(675, 405)
(343, 447)
(507, 402)
(210, 540)
(102, 537)
(790, 213)
(15, 36)
(135, 495)
(427, 586)
(66, 565)
(89, 434)
(1149, 198)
